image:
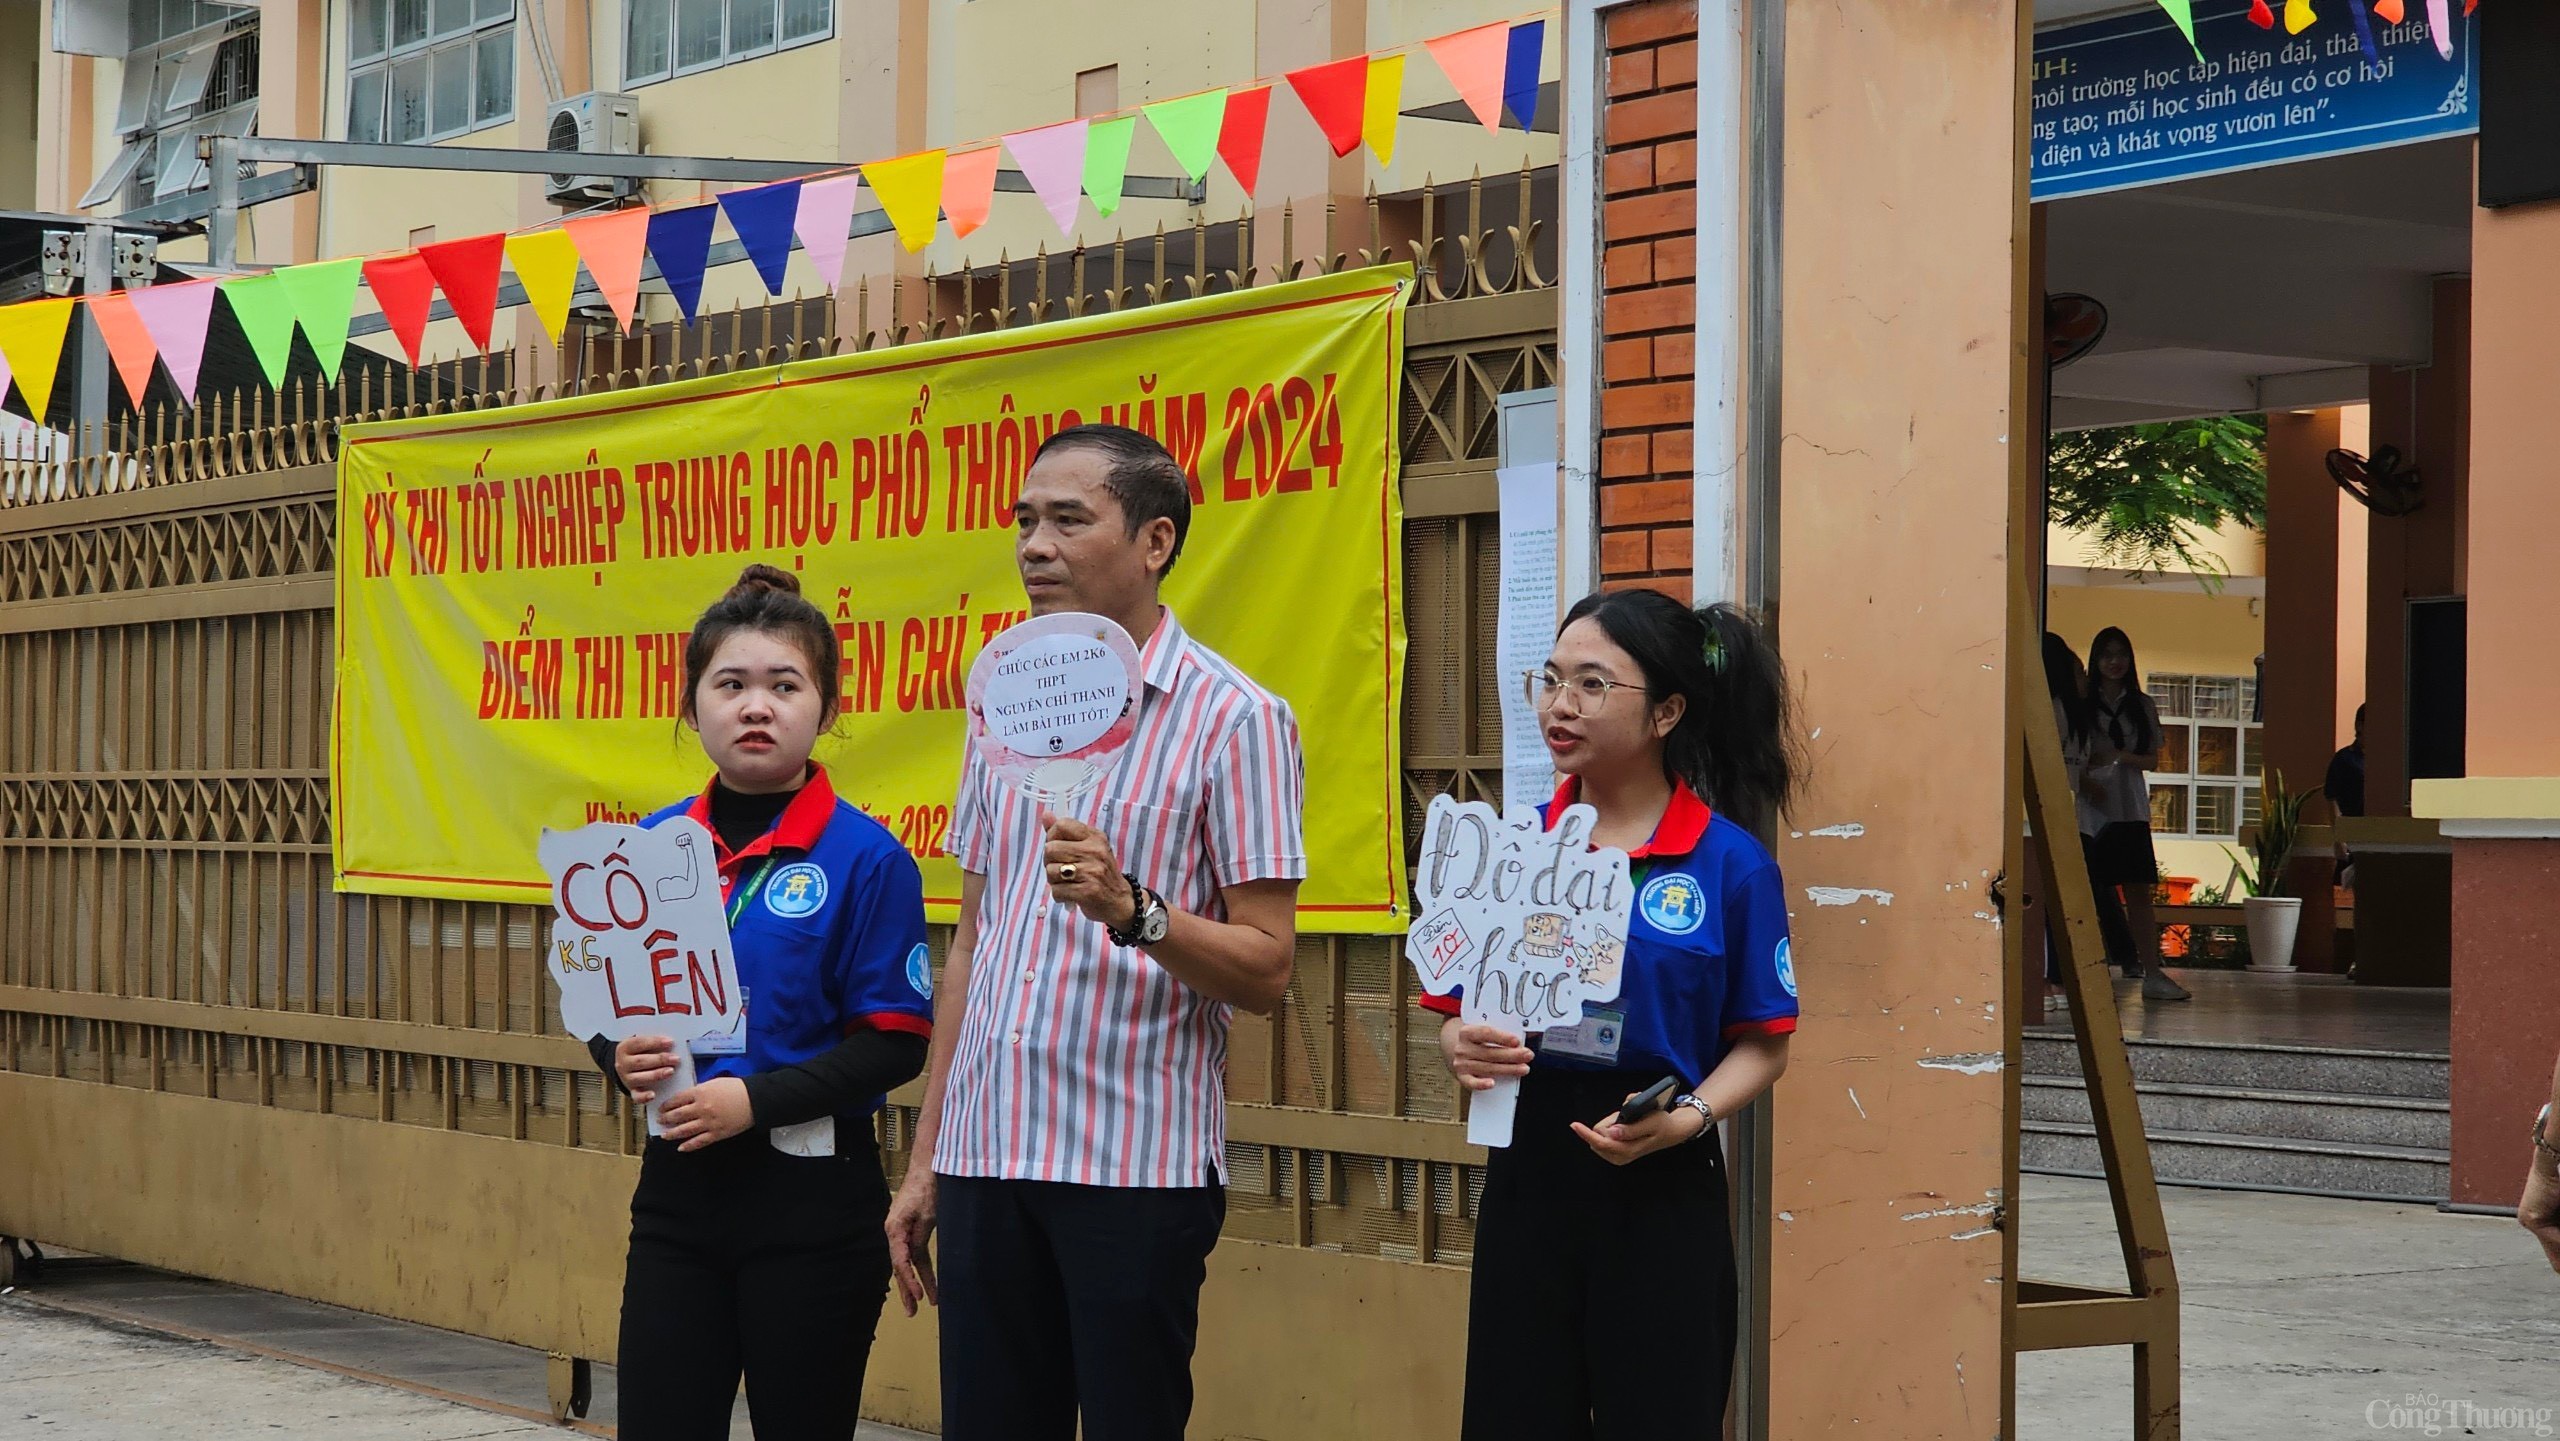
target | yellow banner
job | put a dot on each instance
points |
(515, 586)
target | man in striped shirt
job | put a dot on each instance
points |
(1072, 1143)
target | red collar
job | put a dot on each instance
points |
(797, 828)
(1683, 823)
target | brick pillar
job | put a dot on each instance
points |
(1649, 308)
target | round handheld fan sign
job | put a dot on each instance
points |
(1053, 702)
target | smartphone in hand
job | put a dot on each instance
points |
(1648, 1101)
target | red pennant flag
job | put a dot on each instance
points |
(128, 342)
(1240, 134)
(467, 272)
(1335, 95)
(404, 290)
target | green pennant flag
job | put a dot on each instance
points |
(1189, 127)
(1106, 161)
(265, 313)
(2182, 14)
(324, 297)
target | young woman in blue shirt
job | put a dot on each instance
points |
(756, 1241)
(1605, 1286)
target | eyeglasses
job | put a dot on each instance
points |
(1590, 692)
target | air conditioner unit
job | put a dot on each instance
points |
(596, 123)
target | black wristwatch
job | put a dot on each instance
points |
(1150, 921)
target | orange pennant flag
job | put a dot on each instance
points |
(612, 247)
(969, 187)
(129, 343)
(1472, 59)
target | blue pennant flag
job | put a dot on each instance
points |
(1520, 71)
(763, 218)
(680, 241)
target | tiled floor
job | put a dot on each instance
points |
(2326, 1012)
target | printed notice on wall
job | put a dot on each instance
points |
(2125, 101)
(1525, 628)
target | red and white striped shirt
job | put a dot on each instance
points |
(1078, 1060)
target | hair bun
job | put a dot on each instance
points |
(758, 579)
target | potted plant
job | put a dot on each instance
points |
(2274, 918)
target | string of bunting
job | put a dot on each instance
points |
(2300, 16)
(1354, 102)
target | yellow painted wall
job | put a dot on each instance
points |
(19, 52)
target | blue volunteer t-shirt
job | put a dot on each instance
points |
(827, 916)
(1707, 956)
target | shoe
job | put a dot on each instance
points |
(2055, 1002)
(2158, 987)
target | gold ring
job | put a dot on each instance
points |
(1067, 874)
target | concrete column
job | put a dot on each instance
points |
(2505, 816)
(296, 55)
(885, 69)
(2426, 412)
(2301, 682)
(1298, 168)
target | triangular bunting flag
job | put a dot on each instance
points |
(324, 296)
(400, 285)
(1189, 128)
(762, 218)
(2262, 15)
(910, 189)
(2182, 15)
(546, 265)
(128, 342)
(612, 247)
(1472, 59)
(680, 241)
(1240, 134)
(1520, 71)
(1052, 159)
(2391, 11)
(4, 376)
(1106, 161)
(969, 187)
(31, 336)
(2299, 16)
(824, 222)
(1378, 111)
(2440, 24)
(265, 314)
(466, 271)
(1334, 95)
(176, 316)
(2355, 12)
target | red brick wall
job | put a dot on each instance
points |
(1649, 263)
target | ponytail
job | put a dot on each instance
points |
(1735, 743)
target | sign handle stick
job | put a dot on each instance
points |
(1489, 1113)
(672, 1087)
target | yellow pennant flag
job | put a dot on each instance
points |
(31, 337)
(546, 265)
(1378, 109)
(910, 189)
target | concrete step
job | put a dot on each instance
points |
(2406, 1075)
(2325, 1168)
(2243, 1111)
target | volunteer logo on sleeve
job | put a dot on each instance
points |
(1787, 964)
(920, 970)
(796, 890)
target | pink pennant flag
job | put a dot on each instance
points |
(4, 375)
(824, 220)
(176, 316)
(1052, 159)
(2440, 24)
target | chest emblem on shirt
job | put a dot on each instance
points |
(796, 890)
(1786, 965)
(920, 970)
(1674, 904)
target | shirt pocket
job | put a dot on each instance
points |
(1152, 843)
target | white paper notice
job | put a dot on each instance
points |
(1526, 626)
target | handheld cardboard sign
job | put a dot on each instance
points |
(1053, 702)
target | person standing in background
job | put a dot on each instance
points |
(2126, 747)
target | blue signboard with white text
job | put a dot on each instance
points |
(2124, 101)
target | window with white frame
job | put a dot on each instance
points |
(664, 38)
(421, 70)
(2206, 785)
(192, 72)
